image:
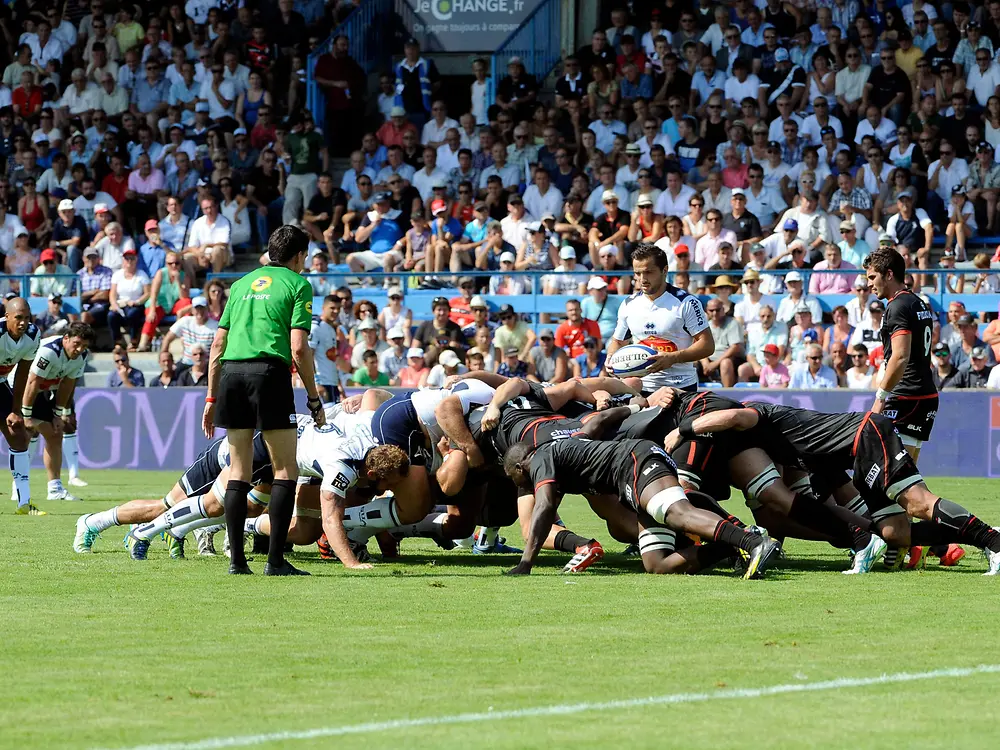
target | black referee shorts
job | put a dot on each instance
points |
(255, 394)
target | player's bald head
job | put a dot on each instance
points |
(17, 306)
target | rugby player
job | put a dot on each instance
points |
(665, 318)
(643, 477)
(906, 392)
(19, 340)
(47, 403)
(884, 473)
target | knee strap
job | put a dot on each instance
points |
(657, 540)
(757, 486)
(659, 505)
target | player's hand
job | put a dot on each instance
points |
(443, 446)
(319, 417)
(664, 398)
(519, 570)
(208, 420)
(70, 423)
(663, 361)
(359, 566)
(603, 399)
(451, 380)
(58, 425)
(878, 406)
(491, 419)
(672, 440)
(15, 422)
(352, 405)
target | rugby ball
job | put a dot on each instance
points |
(634, 360)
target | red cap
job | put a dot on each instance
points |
(152, 224)
(130, 251)
(48, 254)
(438, 205)
(771, 349)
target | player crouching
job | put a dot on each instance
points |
(643, 477)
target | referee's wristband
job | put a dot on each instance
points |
(209, 399)
(686, 429)
(27, 411)
(881, 394)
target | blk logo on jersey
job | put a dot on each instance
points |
(872, 475)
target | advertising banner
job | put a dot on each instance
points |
(465, 25)
(161, 428)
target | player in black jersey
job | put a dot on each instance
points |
(641, 475)
(884, 473)
(906, 392)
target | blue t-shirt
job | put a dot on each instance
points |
(135, 377)
(77, 230)
(453, 227)
(474, 232)
(585, 370)
(386, 234)
(152, 257)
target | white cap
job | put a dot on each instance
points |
(39, 137)
(608, 250)
(507, 256)
(793, 276)
(477, 301)
(395, 333)
(860, 282)
(199, 301)
(802, 307)
(597, 283)
(609, 195)
(394, 291)
(101, 208)
(368, 325)
(65, 204)
(240, 131)
(566, 252)
(448, 358)
(414, 351)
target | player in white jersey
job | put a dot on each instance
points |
(19, 339)
(665, 318)
(47, 404)
(324, 342)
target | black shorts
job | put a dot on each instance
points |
(702, 464)
(44, 408)
(6, 400)
(646, 464)
(913, 416)
(255, 394)
(882, 467)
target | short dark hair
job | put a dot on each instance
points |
(884, 260)
(286, 242)
(331, 298)
(648, 251)
(81, 330)
(517, 454)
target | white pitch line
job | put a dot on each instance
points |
(570, 708)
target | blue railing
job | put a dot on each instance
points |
(368, 29)
(36, 289)
(536, 41)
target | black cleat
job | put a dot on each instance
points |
(285, 569)
(239, 570)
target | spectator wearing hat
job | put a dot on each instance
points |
(542, 198)
(831, 283)
(448, 364)
(729, 354)
(645, 225)
(727, 263)
(393, 359)
(415, 370)
(196, 329)
(742, 223)
(512, 366)
(976, 372)
(440, 332)
(547, 363)
(589, 364)
(516, 92)
(813, 374)
(380, 230)
(802, 334)
(857, 306)
(853, 249)
(480, 318)
(610, 229)
(772, 373)
(911, 229)
(747, 310)
(130, 289)
(369, 340)
(95, 288)
(512, 333)
(566, 277)
(607, 189)
(391, 132)
(517, 223)
(69, 234)
(794, 285)
(460, 311)
(54, 320)
(51, 277)
(983, 184)
(945, 373)
(961, 221)
(502, 283)
(570, 334)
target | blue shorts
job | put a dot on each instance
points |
(395, 423)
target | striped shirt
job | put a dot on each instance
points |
(192, 333)
(99, 279)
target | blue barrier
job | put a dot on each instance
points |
(154, 428)
(536, 41)
(368, 29)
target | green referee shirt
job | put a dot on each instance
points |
(262, 309)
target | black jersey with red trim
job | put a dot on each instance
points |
(584, 466)
(812, 435)
(907, 313)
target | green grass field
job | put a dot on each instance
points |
(100, 651)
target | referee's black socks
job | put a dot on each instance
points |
(235, 505)
(280, 510)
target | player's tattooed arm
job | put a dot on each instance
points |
(542, 518)
(451, 420)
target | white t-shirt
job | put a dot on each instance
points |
(85, 207)
(749, 311)
(437, 375)
(215, 109)
(129, 290)
(323, 342)
(112, 255)
(667, 323)
(203, 233)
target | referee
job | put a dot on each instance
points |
(264, 330)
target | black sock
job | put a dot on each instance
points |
(280, 510)
(809, 512)
(924, 534)
(860, 537)
(709, 503)
(567, 541)
(235, 505)
(711, 554)
(970, 530)
(737, 537)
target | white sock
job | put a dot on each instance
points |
(71, 452)
(487, 537)
(20, 465)
(256, 525)
(33, 448)
(56, 485)
(184, 512)
(369, 519)
(103, 520)
(430, 526)
(183, 529)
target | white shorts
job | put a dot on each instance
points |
(374, 261)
